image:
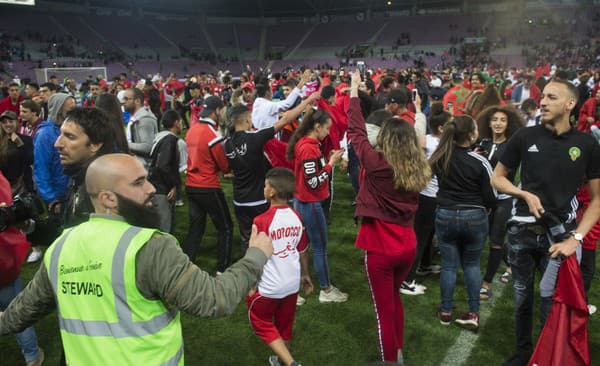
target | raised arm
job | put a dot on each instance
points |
(291, 115)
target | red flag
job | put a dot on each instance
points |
(564, 339)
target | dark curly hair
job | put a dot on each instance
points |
(514, 119)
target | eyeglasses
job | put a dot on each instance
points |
(128, 98)
(8, 120)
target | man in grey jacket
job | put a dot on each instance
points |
(142, 127)
(121, 196)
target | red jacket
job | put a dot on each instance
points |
(195, 109)
(408, 116)
(590, 241)
(377, 197)
(206, 156)
(338, 127)
(13, 244)
(6, 105)
(275, 153)
(564, 339)
(588, 109)
(312, 171)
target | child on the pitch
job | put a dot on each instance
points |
(272, 305)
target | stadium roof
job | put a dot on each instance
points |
(266, 8)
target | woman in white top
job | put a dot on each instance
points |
(424, 217)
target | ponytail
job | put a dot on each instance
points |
(457, 131)
(308, 123)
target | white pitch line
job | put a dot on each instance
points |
(459, 352)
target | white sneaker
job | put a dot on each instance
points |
(434, 268)
(412, 288)
(300, 301)
(334, 295)
(592, 309)
(417, 285)
(34, 256)
(178, 203)
(274, 360)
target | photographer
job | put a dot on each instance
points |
(13, 249)
(554, 160)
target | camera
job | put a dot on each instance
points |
(24, 207)
(556, 229)
(482, 147)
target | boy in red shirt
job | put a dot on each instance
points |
(272, 305)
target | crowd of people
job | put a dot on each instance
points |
(432, 156)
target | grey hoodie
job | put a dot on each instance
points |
(55, 104)
(141, 130)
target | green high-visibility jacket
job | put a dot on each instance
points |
(103, 318)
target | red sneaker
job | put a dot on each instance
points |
(468, 321)
(445, 318)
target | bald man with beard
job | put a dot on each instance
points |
(118, 285)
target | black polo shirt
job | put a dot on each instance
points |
(552, 167)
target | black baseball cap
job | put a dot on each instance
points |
(397, 95)
(8, 115)
(210, 104)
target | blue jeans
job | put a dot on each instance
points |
(527, 252)
(316, 229)
(461, 235)
(26, 339)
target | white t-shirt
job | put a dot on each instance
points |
(525, 93)
(281, 274)
(431, 144)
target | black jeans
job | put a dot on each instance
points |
(424, 230)
(245, 217)
(588, 267)
(209, 201)
(527, 252)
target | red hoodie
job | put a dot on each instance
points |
(311, 170)
(7, 105)
(588, 109)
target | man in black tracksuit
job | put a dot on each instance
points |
(164, 168)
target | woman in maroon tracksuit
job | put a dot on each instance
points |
(396, 170)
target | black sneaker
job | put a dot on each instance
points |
(518, 359)
(422, 271)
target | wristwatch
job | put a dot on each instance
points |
(577, 236)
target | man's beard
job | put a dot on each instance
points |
(130, 110)
(138, 214)
(549, 122)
